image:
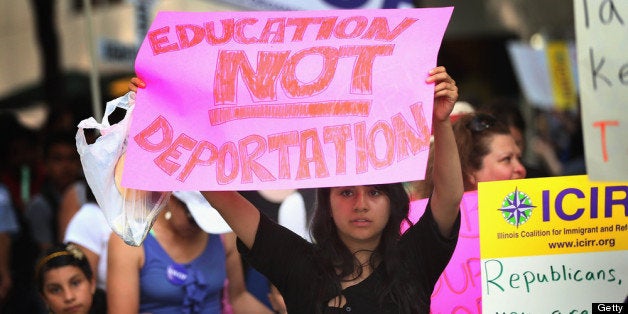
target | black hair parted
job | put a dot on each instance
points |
(338, 262)
(61, 255)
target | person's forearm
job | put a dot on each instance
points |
(69, 206)
(447, 176)
(240, 214)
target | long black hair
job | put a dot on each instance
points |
(337, 261)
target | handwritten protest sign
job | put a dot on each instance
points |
(274, 100)
(458, 289)
(602, 42)
(547, 76)
(561, 242)
(530, 66)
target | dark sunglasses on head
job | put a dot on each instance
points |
(481, 122)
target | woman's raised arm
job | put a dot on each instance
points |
(123, 276)
(237, 211)
(447, 173)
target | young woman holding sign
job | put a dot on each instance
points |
(359, 262)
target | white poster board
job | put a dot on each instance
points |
(602, 45)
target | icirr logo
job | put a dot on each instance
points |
(516, 208)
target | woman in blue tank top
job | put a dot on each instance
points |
(180, 267)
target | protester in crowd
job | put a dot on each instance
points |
(8, 228)
(72, 200)
(358, 261)
(488, 151)
(89, 230)
(62, 169)
(66, 282)
(76, 194)
(508, 112)
(181, 266)
(559, 142)
(22, 176)
(20, 166)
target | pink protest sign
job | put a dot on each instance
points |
(458, 290)
(275, 100)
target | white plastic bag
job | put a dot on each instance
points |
(130, 213)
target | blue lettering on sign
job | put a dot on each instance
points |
(394, 4)
(346, 4)
(354, 4)
(612, 196)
